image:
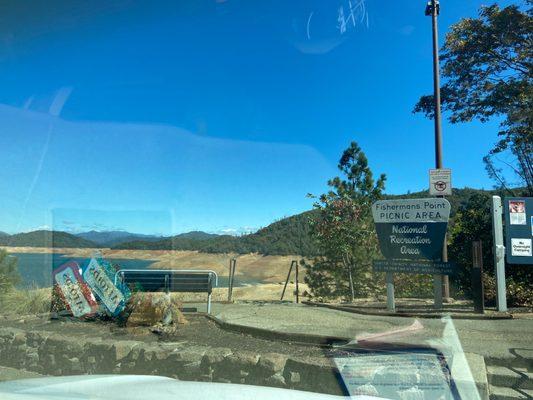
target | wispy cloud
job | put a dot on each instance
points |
(407, 30)
(39, 228)
(236, 231)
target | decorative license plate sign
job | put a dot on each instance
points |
(411, 229)
(74, 291)
(99, 275)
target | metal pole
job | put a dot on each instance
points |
(441, 282)
(499, 253)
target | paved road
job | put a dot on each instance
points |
(493, 338)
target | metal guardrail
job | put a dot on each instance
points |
(168, 273)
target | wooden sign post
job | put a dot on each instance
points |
(231, 277)
(478, 294)
(295, 264)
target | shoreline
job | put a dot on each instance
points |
(256, 267)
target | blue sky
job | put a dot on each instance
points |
(159, 117)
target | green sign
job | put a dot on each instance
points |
(519, 230)
(411, 229)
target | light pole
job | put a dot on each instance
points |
(433, 10)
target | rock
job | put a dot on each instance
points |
(293, 377)
(75, 365)
(272, 363)
(241, 360)
(215, 355)
(276, 380)
(150, 309)
(123, 348)
(19, 338)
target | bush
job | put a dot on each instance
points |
(27, 301)
(473, 222)
(9, 276)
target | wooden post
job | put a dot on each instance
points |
(391, 304)
(287, 280)
(297, 291)
(231, 277)
(478, 293)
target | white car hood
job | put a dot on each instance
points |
(141, 387)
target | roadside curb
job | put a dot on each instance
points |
(360, 310)
(303, 338)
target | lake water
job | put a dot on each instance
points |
(35, 269)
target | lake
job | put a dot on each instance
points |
(35, 269)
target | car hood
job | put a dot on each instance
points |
(133, 387)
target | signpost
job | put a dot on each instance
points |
(440, 182)
(499, 253)
(411, 235)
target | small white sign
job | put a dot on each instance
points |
(521, 247)
(440, 182)
(517, 212)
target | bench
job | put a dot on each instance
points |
(170, 280)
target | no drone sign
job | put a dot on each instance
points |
(440, 182)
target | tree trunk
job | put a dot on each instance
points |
(352, 292)
(348, 264)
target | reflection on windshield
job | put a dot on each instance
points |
(322, 199)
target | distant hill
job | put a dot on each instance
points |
(46, 239)
(288, 236)
(113, 238)
(197, 235)
(284, 237)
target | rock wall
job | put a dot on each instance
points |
(54, 354)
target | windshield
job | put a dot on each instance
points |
(329, 196)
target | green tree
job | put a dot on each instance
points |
(487, 64)
(8, 272)
(344, 230)
(474, 222)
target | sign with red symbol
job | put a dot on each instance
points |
(440, 182)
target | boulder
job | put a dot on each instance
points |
(154, 309)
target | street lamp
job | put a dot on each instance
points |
(433, 11)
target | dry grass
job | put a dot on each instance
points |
(37, 301)
(26, 301)
(261, 292)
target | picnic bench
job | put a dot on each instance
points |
(170, 280)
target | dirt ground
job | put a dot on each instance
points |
(198, 331)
